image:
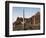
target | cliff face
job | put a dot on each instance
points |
(28, 25)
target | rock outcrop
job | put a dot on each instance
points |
(28, 25)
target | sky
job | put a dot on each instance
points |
(28, 12)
